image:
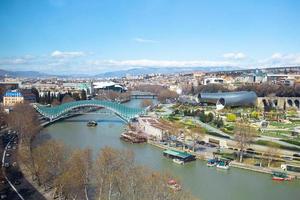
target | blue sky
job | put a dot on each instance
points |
(77, 36)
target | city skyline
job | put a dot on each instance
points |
(62, 37)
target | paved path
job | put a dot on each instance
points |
(209, 127)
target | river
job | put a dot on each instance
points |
(203, 182)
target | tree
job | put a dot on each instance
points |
(202, 116)
(119, 178)
(24, 120)
(255, 115)
(272, 152)
(231, 117)
(36, 94)
(49, 159)
(83, 95)
(76, 96)
(219, 122)
(67, 98)
(243, 135)
(55, 102)
(196, 134)
(3, 117)
(146, 103)
(73, 184)
(165, 94)
(210, 117)
(48, 99)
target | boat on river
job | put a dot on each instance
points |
(281, 176)
(212, 162)
(172, 184)
(178, 161)
(179, 155)
(223, 165)
(130, 136)
(92, 123)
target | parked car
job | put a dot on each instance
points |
(17, 182)
(3, 195)
(14, 164)
(3, 181)
(6, 165)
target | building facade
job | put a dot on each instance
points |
(12, 97)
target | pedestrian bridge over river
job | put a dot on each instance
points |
(57, 112)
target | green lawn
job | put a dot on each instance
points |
(295, 142)
(272, 144)
(277, 134)
(284, 125)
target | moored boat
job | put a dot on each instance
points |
(172, 184)
(178, 161)
(211, 163)
(223, 165)
(281, 176)
(92, 123)
(132, 137)
(182, 156)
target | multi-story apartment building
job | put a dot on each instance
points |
(12, 97)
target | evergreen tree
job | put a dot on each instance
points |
(83, 95)
(36, 94)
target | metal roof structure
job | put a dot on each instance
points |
(241, 98)
(55, 112)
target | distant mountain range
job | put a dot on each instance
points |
(28, 74)
(119, 73)
(162, 70)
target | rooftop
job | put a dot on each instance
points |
(12, 93)
(179, 154)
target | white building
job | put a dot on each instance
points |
(152, 127)
(209, 80)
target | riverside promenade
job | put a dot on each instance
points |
(235, 164)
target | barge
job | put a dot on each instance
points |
(132, 137)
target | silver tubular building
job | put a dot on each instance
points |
(231, 99)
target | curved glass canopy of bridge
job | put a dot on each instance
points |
(55, 112)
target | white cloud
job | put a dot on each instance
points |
(161, 63)
(143, 40)
(279, 59)
(234, 55)
(67, 54)
(92, 65)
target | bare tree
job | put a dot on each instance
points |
(165, 94)
(55, 102)
(24, 120)
(271, 153)
(73, 182)
(119, 178)
(243, 135)
(67, 98)
(146, 103)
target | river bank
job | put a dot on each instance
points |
(203, 182)
(232, 163)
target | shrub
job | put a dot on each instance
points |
(231, 117)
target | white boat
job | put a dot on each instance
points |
(222, 165)
(211, 163)
(178, 161)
